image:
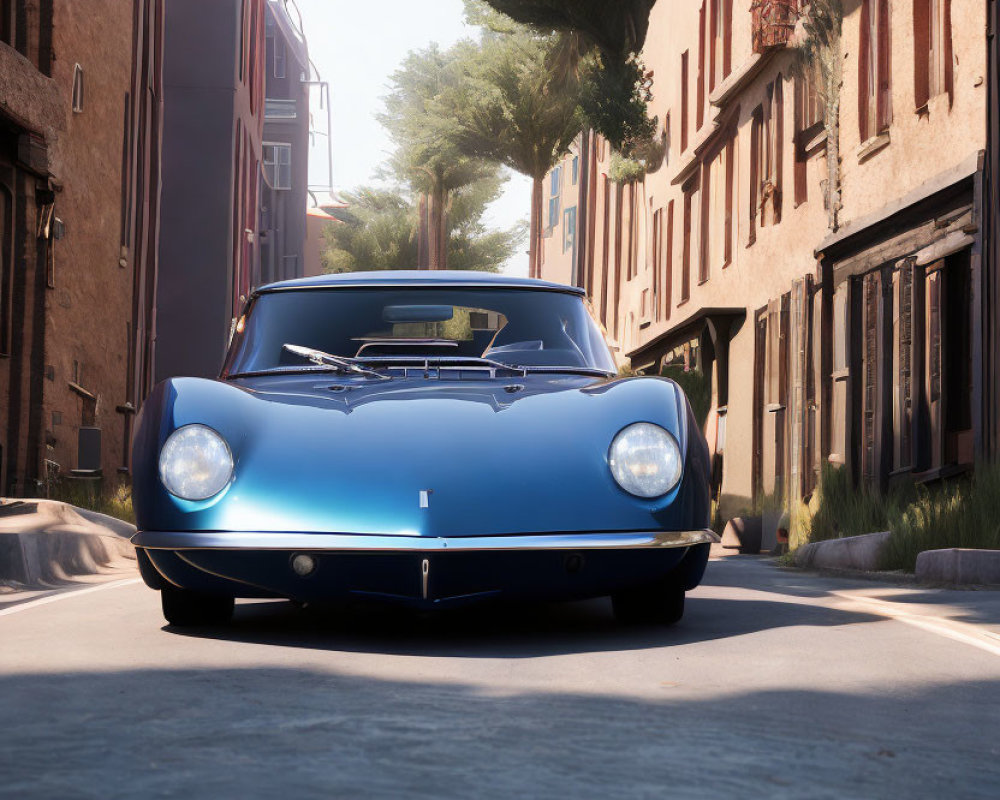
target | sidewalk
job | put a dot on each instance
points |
(46, 544)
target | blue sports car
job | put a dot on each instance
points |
(425, 438)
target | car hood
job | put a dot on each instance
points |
(420, 456)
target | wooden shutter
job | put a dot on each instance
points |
(871, 291)
(949, 56)
(903, 377)
(921, 52)
(686, 252)
(727, 38)
(700, 110)
(864, 72)
(685, 82)
(755, 167)
(884, 102)
(713, 25)
(799, 113)
(619, 200)
(779, 146)
(606, 249)
(657, 258)
(668, 277)
(730, 167)
(704, 251)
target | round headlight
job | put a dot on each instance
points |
(195, 463)
(645, 460)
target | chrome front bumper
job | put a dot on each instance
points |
(338, 542)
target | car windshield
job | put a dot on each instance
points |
(515, 327)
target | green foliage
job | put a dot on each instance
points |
(422, 121)
(510, 108)
(962, 514)
(607, 38)
(698, 388)
(379, 231)
(117, 504)
(625, 170)
(841, 509)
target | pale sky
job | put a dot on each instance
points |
(357, 45)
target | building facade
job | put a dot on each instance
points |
(811, 244)
(214, 79)
(285, 173)
(66, 86)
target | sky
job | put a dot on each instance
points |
(356, 45)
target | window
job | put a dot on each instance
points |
(277, 108)
(756, 164)
(280, 57)
(809, 114)
(576, 169)
(874, 78)
(766, 152)
(569, 229)
(555, 187)
(684, 101)
(902, 366)
(77, 88)
(278, 165)
(933, 60)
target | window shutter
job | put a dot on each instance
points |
(727, 37)
(755, 166)
(730, 166)
(685, 81)
(700, 110)
(921, 52)
(713, 56)
(884, 103)
(871, 291)
(779, 145)
(686, 254)
(704, 252)
(905, 360)
(668, 278)
(864, 70)
(949, 57)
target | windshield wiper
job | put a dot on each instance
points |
(323, 359)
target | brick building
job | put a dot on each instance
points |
(68, 140)
(823, 270)
(285, 174)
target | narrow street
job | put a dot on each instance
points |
(775, 684)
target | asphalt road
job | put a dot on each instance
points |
(776, 684)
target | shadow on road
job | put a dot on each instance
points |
(508, 631)
(306, 733)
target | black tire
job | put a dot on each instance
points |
(191, 609)
(656, 604)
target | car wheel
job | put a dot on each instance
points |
(184, 608)
(658, 604)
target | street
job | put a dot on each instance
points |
(775, 684)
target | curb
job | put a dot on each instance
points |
(960, 566)
(859, 553)
(59, 541)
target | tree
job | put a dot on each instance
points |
(605, 37)
(378, 230)
(511, 108)
(423, 128)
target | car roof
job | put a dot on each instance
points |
(414, 277)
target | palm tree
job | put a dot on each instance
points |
(426, 156)
(513, 109)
